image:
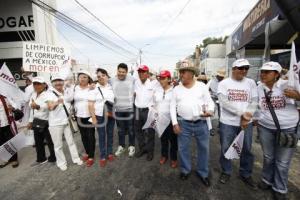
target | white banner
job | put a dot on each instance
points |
(156, 121)
(9, 87)
(43, 57)
(293, 74)
(8, 149)
(235, 149)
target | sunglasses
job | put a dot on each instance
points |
(243, 68)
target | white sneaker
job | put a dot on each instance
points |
(120, 151)
(131, 151)
(63, 168)
(298, 143)
(79, 162)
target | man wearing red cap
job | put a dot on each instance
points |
(143, 100)
(162, 99)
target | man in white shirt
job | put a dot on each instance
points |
(190, 107)
(238, 100)
(143, 100)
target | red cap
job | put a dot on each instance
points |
(164, 74)
(143, 68)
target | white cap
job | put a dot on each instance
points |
(38, 79)
(57, 77)
(272, 66)
(86, 73)
(240, 63)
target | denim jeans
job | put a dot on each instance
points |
(200, 131)
(227, 135)
(125, 125)
(105, 129)
(277, 159)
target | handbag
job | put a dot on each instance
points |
(17, 114)
(39, 124)
(285, 140)
(108, 108)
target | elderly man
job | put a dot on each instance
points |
(238, 100)
(190, 106)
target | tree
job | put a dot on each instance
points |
(213, 40)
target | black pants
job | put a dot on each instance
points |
(169, 137)
(5, 135)
(146, 138)
(39, 136)
(87, 132)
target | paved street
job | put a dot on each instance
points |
(134, 178)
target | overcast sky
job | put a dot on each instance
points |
(150, 25)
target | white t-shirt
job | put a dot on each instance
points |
(162, 101)
(41, 100)
(81, 102)
(95, 96)
(189, 103)
(285, 109)
(58, 116)
(238, 93)
(144, 93)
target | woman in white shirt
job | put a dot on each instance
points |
(87, 130)
(38, 121)
(162, 99)
(277, 159)
(59, 105)
(101, 101)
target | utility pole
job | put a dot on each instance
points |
(140, 52)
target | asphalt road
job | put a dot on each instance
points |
(132, 179)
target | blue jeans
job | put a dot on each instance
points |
(105, 129)
(125, 125)
(227, 135)
(200, 131)
(277, 159)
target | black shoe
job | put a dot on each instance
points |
(184, 176)
(149, 156)
(51, 159)
(249, 182)
(4, 164)
(263, 186)
(280, 196)
(140, 153)
(205, 181)
(224, 178)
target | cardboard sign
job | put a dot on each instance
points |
(43, 57)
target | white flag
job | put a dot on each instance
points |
(235, 149)
(293, 74)
(9, 87)
(8, 149)
(156, 121)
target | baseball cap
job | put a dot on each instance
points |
(164, 74)
(85, 72)
(241, 63)
(143, 68)
(38, 79)
(57, 77)
(271, 66)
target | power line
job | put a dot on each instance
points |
(80, 28)
(99, 20)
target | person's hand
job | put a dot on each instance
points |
(29, 126)
(255, 122)
(293, 94)
(247, 116)
(244, 123)
(34, 105)
(60, 101)
(94, 121)
(207, 114)
(177, 129)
